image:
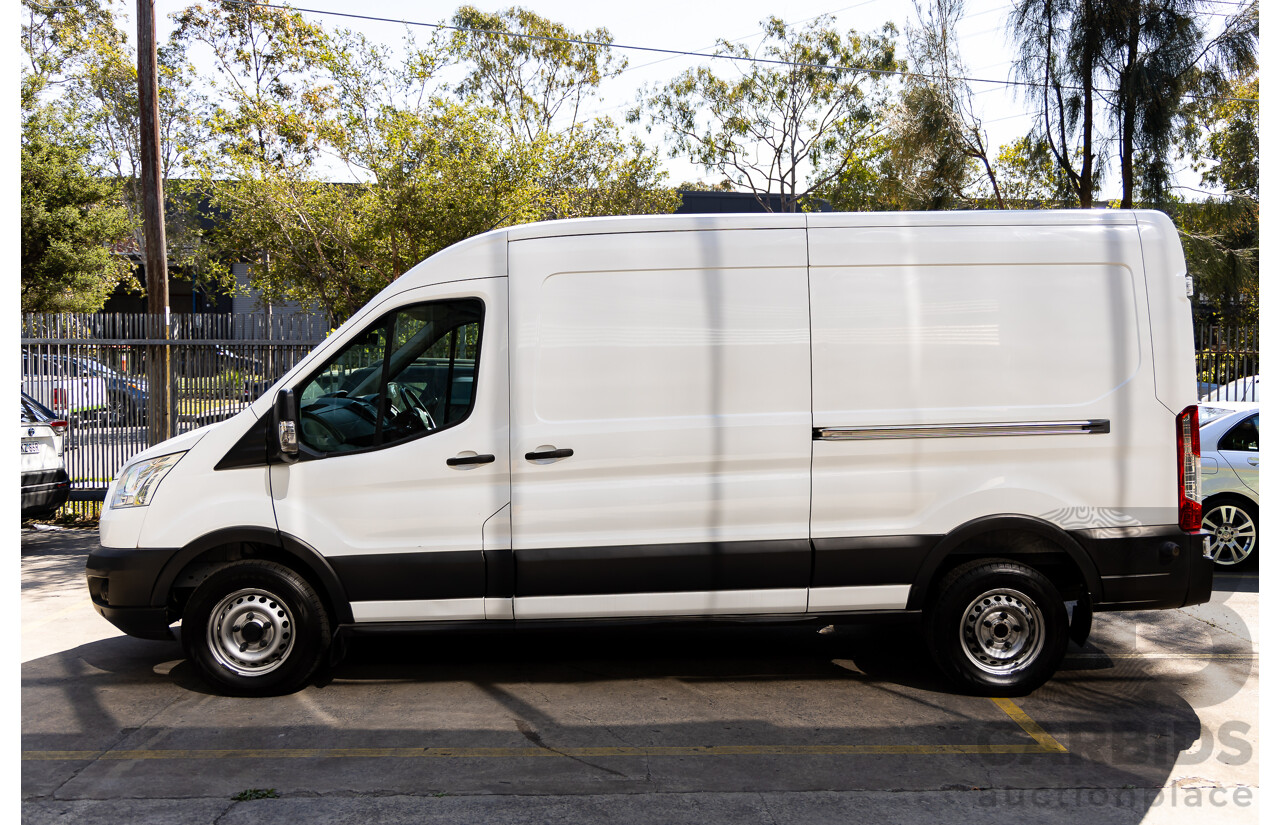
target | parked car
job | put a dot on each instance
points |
(73, 384)
(1229, 478)
(126, 400)
(1245, 390)
(45, 485)
(63, 384)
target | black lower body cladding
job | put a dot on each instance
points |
(1148, 567)
(122, 585)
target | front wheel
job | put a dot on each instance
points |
(998, 627)
(255, 628)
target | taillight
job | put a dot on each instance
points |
(59, 427)
(1189, 468)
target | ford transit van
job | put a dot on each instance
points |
(986, 420)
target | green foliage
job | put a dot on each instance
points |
(70, 220)
(1117, 73)
(533, 81)
(936, 153)
(1220, 235)
(428, 170)
(1031, 178)
(792, 129)
(1221, 137)
(250, 794)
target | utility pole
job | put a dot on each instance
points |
(159, 400)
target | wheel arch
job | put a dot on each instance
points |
(194, 562)
(1033, 541)
(1232, 495)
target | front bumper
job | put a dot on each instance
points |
(1149, 567)
(122, 588)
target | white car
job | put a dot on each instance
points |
(45, 485)
(1238, 393)
(1229, 475)
(65, 385)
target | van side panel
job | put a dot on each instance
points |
(676, 367)
(1172, 338)
(962, 372)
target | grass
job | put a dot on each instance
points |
(250, 794)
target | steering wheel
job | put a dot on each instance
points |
(406, 397)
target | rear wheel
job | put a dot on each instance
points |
(998, 627)
(255, 628)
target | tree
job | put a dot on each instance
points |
(1135, 60)
(936, 140)
(1059, 56)
(1220, 234)
(425, 169)
(794, 119)
(1031, 178)
(527, 68)
(71, 218)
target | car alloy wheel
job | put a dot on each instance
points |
(1233, 533)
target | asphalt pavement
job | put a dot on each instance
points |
(1155, 720)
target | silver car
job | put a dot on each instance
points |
(1229, 474)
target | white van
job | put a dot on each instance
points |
(978, 418)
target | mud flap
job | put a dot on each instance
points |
(1081, 612)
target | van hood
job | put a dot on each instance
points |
(177, 444)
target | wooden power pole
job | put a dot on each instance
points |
(159, 400)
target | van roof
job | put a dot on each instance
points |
(671, 223)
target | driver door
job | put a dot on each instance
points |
(404, 454)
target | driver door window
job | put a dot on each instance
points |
(410, 373)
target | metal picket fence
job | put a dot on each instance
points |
(1227, 362)
(92, 371)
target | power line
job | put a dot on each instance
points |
(678, 52)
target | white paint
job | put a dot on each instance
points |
(676, 366)
(418, 611)
(868, 597)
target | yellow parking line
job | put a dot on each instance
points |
(520, 753)
(1017, 714)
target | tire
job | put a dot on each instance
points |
(998, 628)
(255, 628)
(1232, 525)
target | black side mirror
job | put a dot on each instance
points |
(284, 427)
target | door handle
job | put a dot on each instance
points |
(469, 459)
(1253, 461)
(561, 453)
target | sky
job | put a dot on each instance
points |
(696, 26)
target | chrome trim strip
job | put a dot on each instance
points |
(1090, 427)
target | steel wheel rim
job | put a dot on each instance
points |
(1232, 531)
(1002, 631)
(251, 632)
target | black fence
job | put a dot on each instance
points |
(1227, 362)
(92, 371)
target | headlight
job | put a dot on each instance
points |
(139, 481)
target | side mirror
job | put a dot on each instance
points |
(284, 415)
